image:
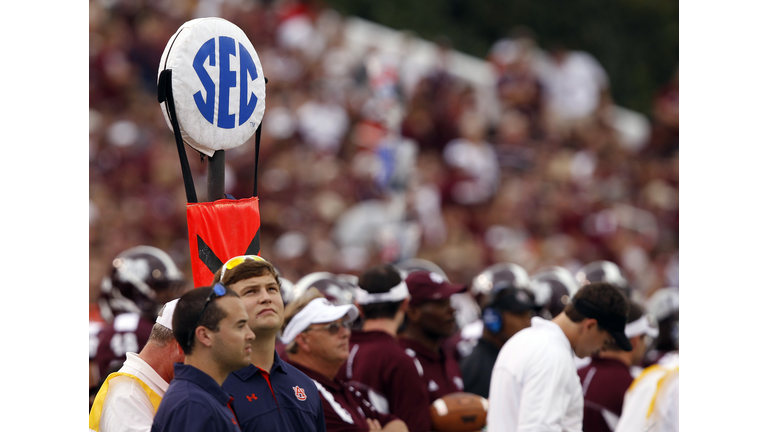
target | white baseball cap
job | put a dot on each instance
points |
(645, 325)
(318, 311)
(165, 316)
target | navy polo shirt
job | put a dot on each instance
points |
(194, 402)
(283, 400)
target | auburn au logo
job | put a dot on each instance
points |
(300, 395)
(252, 397)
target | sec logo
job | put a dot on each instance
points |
(218, 84)
(228, 79)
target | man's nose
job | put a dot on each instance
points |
(264, 296)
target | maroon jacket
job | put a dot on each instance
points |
(604, 382)
(439, 372)
(376, 360)
(344, 407)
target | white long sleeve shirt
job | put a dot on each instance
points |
(534, 384)
(127, 407)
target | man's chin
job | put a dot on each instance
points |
(266, 326)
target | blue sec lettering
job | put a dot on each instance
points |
(228, 79)
(207, 51)
(247, 68)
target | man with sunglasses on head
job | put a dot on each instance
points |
(317, 339)
(534, 384)
(211, 325)
(266, 392)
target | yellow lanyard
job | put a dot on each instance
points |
(95, 416)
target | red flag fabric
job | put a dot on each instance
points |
(221, 230)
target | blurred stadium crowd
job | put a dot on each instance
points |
(369, 157)
(413, 156)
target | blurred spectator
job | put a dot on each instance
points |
(475, 170)
(575, 86)
(665, 140)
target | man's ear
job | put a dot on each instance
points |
(204, 336)
(301, 341)
(359, 309)
(589, 323)
(635, 341)
(404, 304)
(177, 353)
(413, 314)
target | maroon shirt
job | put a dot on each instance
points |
(377, 361)
(344, 407)
(604, 382)
(440, 373)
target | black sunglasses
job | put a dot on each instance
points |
(219, 290)
(333, 327)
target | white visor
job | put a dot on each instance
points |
(395, 294)
(318, 311)
(165, 316)
(640, 326)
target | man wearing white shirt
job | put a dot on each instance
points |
(534, 384)
(128, 399)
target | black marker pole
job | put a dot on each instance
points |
(216, 176)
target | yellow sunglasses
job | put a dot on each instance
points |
(236, 261)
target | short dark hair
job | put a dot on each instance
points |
(160, 335)
(380, 279)
(604, 296)
(247, 270)
(187, 310)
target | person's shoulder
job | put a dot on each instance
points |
(185, 398)
(122, 384)
(185, 414)
(375, 343)
(533, 342)
(180, 390)
(527, 336)
(295, 373)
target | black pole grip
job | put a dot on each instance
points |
(216, 176)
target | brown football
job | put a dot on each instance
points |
(459, 412)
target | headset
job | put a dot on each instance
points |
(492, 319)
(504, 294)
